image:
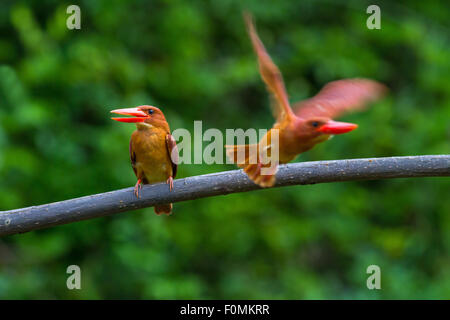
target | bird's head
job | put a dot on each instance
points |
(324, 126)
(143, 116)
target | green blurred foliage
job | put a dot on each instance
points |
(194, 61)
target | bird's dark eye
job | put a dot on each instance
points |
(150, 111)
(315, 124)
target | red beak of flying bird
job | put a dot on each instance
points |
(308, 123)
(153, 150)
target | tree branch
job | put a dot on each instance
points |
(103, 204)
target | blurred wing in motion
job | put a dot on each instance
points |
(339, 97)
(270, 74)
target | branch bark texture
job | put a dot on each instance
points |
(222, 183)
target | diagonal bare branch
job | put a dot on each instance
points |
(222, 183)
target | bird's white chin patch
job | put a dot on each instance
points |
(143, 125)
(331, 136)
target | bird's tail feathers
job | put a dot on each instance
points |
(247, 158)
(163, 208)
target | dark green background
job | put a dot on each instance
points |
(193, 59)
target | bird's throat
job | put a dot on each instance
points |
(143, 126)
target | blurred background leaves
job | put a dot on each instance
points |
(194, 61)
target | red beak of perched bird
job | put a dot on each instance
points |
(302, 128)
(153, 150)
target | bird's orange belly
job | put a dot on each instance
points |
(153, 171)
(152, 159)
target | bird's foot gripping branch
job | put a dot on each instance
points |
(99, 205)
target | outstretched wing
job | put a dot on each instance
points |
(270, 73)
(171, 145)
(339, 97)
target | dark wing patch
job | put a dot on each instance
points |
(339, 97)
(133, 158)
(172, 149)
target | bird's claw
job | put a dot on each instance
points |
(137, 187)
(170, 183)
